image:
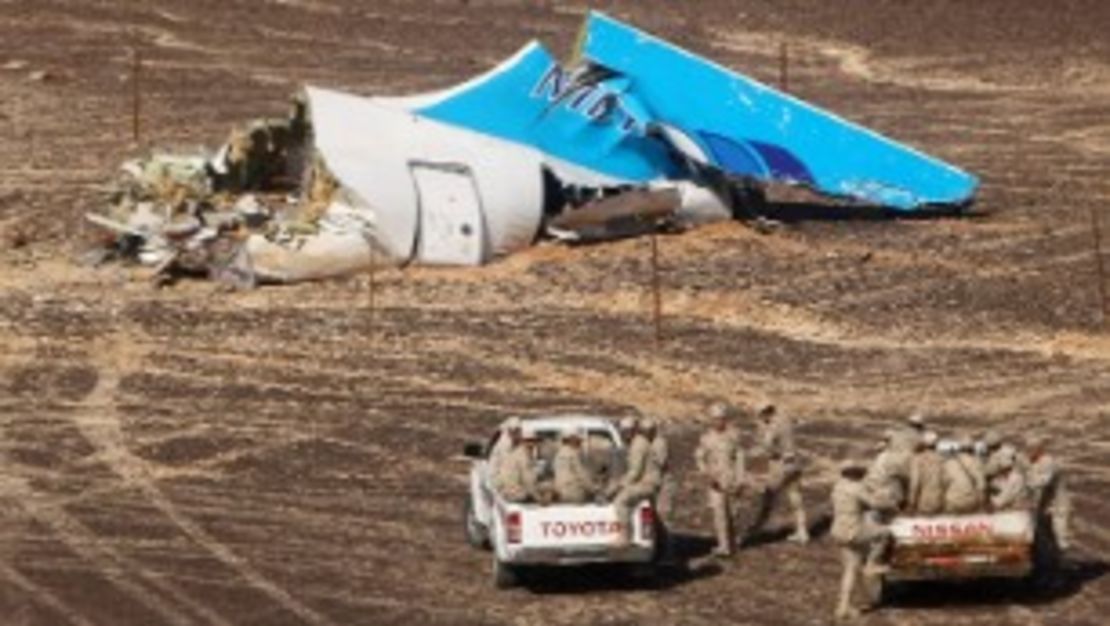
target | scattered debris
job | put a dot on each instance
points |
(40, 76)
(638, 136)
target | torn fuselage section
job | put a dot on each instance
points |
(638, 135)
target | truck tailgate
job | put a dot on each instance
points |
(570, 526)
(962, 546)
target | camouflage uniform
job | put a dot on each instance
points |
(573, 482)
(516, 481)
(1050, 494)
(926, 489)
(965, 484)
(776, 441)
(860, 538)
(720, 460)
(1008, 488)
(661, 458)
(640, 482)
(503, 446)
(888, 476)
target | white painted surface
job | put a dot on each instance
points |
(452, 230)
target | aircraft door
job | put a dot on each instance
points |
(451, 227)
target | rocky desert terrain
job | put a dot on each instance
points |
(287, 455)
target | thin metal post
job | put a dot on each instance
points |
(1100, 265)
(373, 290)
(136, 94)
(784, 66)
(657, 296)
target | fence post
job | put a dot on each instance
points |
(656, 289)
(1100, 267)
(136, 94)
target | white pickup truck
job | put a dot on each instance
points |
(554, 534)
(1002, 544)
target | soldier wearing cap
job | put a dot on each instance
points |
(996, 461)
(1009, 489)
(775, 440)
(907, 437)
(720, 461)
(965, 484)
(573, 482)
(661, 458)
(640, 480)
(862, 541)
(888, 476)
(509, 438)
(626, 428)
(1049, 489)
(926, 487)
(516, 479)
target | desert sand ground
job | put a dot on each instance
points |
(185, 456)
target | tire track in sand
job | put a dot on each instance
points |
(92, 548)
(42, 595)
(100, 424)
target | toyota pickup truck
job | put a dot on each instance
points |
(534, 535)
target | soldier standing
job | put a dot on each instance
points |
(965, 485)
(888, 476)
(926, 490)
(1050, 491)
(861, 540)
(573, 482)
(775, 439)
(661, 458)
(720, 461)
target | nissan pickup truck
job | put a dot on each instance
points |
(536, 535)
(1003, 544)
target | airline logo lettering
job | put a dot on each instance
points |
(579, 530)
(952, 530)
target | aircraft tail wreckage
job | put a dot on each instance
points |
(637, 134)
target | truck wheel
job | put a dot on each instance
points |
(477, 535)
(505, 576)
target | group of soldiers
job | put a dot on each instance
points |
(916, 473)
(643, 471)
(913, 473)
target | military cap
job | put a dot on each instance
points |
(992, 438)
(720, 411)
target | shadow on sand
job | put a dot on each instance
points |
(1067, 580)
(793, 212)
(685, 564)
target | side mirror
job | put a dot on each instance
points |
(473, 450)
